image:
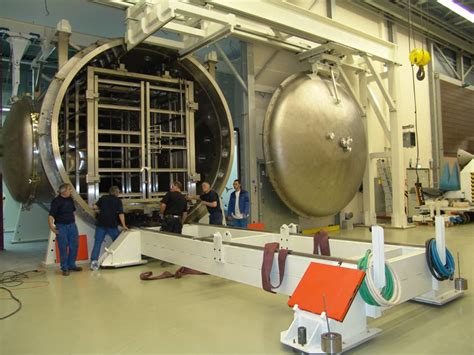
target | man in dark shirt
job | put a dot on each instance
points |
(110, 210)
(210, 199)
(174, 209)
(62, 222)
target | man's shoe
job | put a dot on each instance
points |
(65, 272)
(77, 268)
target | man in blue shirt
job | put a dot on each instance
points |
(239, 206)
(62, 222)
(110, 210)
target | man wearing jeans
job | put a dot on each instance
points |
(62, 222)
(239, 206)
(110, 209)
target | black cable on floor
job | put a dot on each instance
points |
(12, 278)
(13, 298)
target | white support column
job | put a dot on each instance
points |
(378, 255)
(399, 218)
(18, 45)
(440, 238)
(250, 137)
(368, 194)
(64, 32)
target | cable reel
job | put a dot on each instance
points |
(420, 58)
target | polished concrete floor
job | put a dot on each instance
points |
(113, 312)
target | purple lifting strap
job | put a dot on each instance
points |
(268, 254)
(147, 276)
(321, 243)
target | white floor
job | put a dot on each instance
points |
(114, 312)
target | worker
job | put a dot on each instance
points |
(173, 209)
(239, 206)
(210, 199)
(110, 210)
(62, 222)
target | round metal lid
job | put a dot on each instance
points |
(19, 154)
(315, 148)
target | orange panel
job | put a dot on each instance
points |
(256, 226)
(337, 284)
(82, 252)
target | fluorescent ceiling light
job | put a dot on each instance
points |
(455, 7)
(5, 109)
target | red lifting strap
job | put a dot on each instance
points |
(268, 254)
(147, 276)
(321, 243)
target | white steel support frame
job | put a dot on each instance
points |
(201, 23)
(236, 254)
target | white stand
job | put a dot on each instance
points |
(84, 228)
(352, 330)
(124, 251)
(32, 225)
(442, 292)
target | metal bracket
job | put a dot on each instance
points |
(284, 237)
(193, 106)
(91, 179)
(91, 95)
(218, 248)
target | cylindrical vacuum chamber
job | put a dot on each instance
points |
(138, 120)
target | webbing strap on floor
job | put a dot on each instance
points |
(268, 254)
(321, 243)
(147, 276)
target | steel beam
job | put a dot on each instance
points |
(231, 67)
(378, 112)
(378, 80)
(352, 92)
(399, 217)
(250, 136)
(435, 110)
(304, 24)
